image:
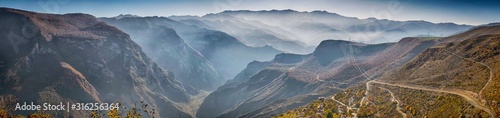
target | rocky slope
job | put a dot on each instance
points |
(292, 80)
(454, 78)
(474, 32)
(465, 62)
(256, 66)
(76, 58)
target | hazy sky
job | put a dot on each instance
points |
(472, 12)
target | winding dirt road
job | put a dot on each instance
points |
(489, 68)
(398, 108)
(481, 63)
(470, 99)
(333, 98)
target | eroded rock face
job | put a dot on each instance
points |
(75, 58)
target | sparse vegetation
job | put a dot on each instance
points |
(419, 103)
(379, 103)
(326, 107)
(145, 110)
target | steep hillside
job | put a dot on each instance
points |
(252, 68)
(466, 66)
(294, 80)
(49, 58)
(166, 48)
(474, 33)
(256, 66)
(455, 78)
(355, 73)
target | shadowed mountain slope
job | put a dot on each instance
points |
(50, 58)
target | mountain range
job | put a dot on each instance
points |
(48, 58)
(275, 63)
(226, 54)
(291, 80)
(299, 32)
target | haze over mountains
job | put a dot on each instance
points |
(226, 54)
(249, 63)
(280, 28)
(167, 48)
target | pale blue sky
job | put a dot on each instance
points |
(473, 12)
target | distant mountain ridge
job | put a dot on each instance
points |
(224, 52)
(310, 28)
(251, 33)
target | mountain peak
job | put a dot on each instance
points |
(323, 12)
(125, 16)
(6, 9)
(285, 10)
(493, 24)
(280, 11)
(269, 11)
(330, 43)
(410, 39)
(323, 52)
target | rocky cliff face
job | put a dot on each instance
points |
(75, 58)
